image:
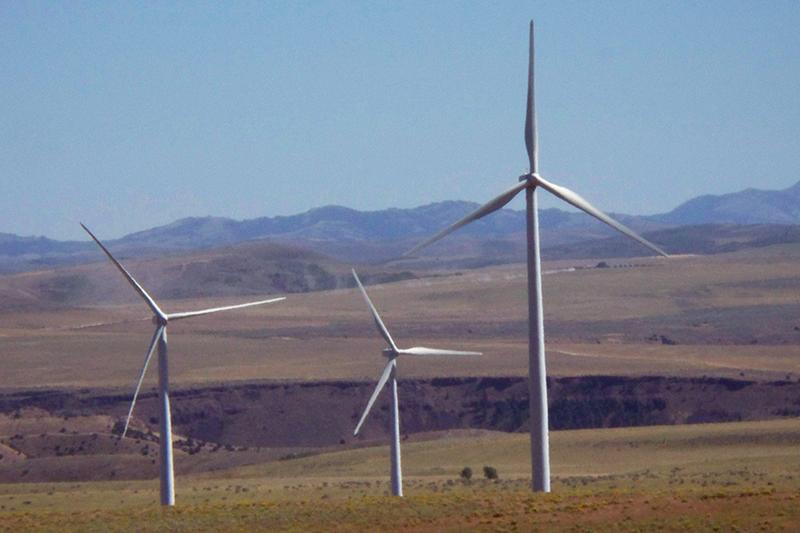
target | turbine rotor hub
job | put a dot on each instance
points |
(388, 353)
(530, 178)
(159, 321)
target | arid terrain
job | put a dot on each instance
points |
(265, 399)
(725, 477)
(729, 315)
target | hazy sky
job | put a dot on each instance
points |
(128, 115)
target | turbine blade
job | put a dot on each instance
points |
(422, 350)
(376, 317)
(387, 371)
(489, 207)
(187, 314)
(150, 350)
(578, 201)
(531, 140)
(135, 284)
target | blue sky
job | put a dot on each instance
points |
(131, 115)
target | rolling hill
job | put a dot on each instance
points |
(370, 236)
(751, 206)
(255, 268)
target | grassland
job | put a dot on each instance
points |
(743, 476)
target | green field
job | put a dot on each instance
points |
(711, 476)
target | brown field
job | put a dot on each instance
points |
(730, 315)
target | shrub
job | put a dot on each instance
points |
(466, 473)
(490, 472)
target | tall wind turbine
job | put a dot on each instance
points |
(160, 320)
(392, 352)
(537, 382)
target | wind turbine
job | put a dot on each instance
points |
(392, 352)
(537, 377)
(160, 320)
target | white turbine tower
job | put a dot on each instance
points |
(160, 319)
(392, 352)
(537, 383)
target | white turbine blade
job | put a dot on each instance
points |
(150, 350)
(387, 371)
(422, 350)
(578, 201)
(531, 140)
(489, 207)
(138, 288)
(378, 322)
(187, 314)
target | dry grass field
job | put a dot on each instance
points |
(733, 315)
(727, 477)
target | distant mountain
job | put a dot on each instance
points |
(751, 206)
(338, 224)
(351, 235)
(18, 254)
(341, 232)
(11, 244)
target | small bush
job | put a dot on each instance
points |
(466, 473)
(490, 472)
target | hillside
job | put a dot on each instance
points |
(701, 239)
(751, 206)
(258, 268)
(371, 236)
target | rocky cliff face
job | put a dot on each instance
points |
(323, 414)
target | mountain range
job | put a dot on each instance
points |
(364, 236)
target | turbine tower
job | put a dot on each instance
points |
(160, 320)
(392, 352)
(530, 182)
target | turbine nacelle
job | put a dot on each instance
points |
(534, 180)
(531, 177)
(159, 320)
(389, 353)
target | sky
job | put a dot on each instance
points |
(129, 115)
